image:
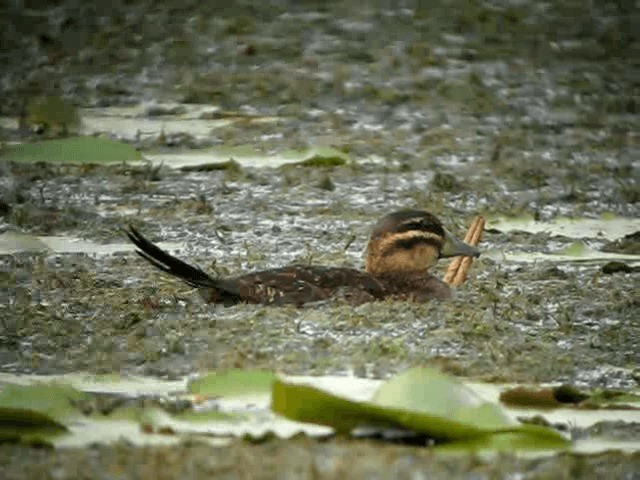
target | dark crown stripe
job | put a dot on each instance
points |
(409, 243)
(420, 226)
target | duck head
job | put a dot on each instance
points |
(410, 242)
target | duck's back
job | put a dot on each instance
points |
(297, 284)
(419, 287)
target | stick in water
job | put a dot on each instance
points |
(459, 267)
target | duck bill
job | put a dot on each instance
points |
(453, 247)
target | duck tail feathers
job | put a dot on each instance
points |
(162, 260)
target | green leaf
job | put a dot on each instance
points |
(575, 249)
(21, 424)
(36, 412)
(429, 391)
(423, 401)
(309, 404)
(526, 437)
(318, 157)
(12, 242)
(208, 416)
(613, 399)
(53, 399)
(72, 150)
(233, 383)
(52, 113)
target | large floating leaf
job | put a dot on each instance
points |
(21, 424)
(36, 412)
(610, 227)
(429, 391)
(420, 400)
(54, 399)
(238, 157)
(575, 249)
(160, 421)
(613, 398)
(12, 242)
(233, 383)
(72, 150)
(324, 157)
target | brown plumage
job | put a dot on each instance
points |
(402, 247)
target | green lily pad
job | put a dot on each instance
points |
(233, 383)
(607, 226)
(575, 249)
(29, 426)
(54, 399)
(74, 150)
(430, 391)
(36, 412)
(527, 437)
(613, 399)
(420, 400)
(320, 157)
(208, 416)
(11, 242)
(237, 157)
(158, 420)
(52, 113)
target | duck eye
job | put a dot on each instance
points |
(409, 243)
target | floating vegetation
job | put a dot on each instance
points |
(230, 165)
(36, 413)
(421, 401)
(51, 115)
(232, 383)
(76, 150)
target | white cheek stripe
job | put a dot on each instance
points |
(411, 234)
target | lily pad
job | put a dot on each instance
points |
(577, 253)
(233, 383)
(52, 114)
(54, 399)
(29, 426)
(12, 242)
(420, 400)
(614, 399)
(74, 150)
(242, 156)
(158, 420)
(36, 412)
(575, 249)
(432, 392)
(607, 226)
(324, 157)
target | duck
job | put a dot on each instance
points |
(403, 246)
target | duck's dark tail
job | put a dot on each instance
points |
(160, 259)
